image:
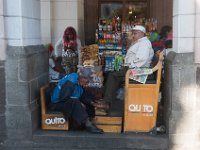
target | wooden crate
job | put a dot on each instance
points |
(54, 122)
(109, 124)
(50, 121)
(141, 108)
(141, 103)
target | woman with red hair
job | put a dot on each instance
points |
(68, 47)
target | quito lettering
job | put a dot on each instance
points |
(55, 120)
(140, 108)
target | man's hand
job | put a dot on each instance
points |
(83, 105)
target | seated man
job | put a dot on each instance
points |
(139, 54)
(68, 97)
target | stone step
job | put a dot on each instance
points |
(83, 140)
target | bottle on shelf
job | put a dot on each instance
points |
(96, 36)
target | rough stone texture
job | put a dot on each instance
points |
(18, 93)
(167, 93)
(26, 70)
(2, 102)
(2, 83)
(28, 63)
(198, 76)
(35, 117)
(181, 96)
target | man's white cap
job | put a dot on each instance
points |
(139, 28)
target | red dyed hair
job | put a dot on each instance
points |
(67, 41)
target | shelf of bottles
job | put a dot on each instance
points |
(109, 35)
(112, 34)
(110, 40)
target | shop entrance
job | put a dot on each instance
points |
(99, 14)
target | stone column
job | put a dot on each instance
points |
(2, 76)
(182, 81)
(26, 69)
(46, 21)
(197, 32)
(2, 103)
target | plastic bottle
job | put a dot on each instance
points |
(161, 129)
(96, 36)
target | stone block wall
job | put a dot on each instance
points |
(2, 102)
(26, 70)
(181, 94)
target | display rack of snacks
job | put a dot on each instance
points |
(110, 40)
(109, 35)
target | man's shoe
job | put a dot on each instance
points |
(93, 129)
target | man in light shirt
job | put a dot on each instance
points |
(139, 54)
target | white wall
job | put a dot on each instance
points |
(183, 25)
(56, 15)
(197, 32)
(2, 34)
(22, 22)
(186, 27)
(45, 7)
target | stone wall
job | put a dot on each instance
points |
(2, 102)
(26, 70)
(181, 93)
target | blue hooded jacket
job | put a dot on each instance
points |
(77, 89)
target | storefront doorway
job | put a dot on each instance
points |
(128, 12)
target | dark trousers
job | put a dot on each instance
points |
(72, 109)
(113, 83)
